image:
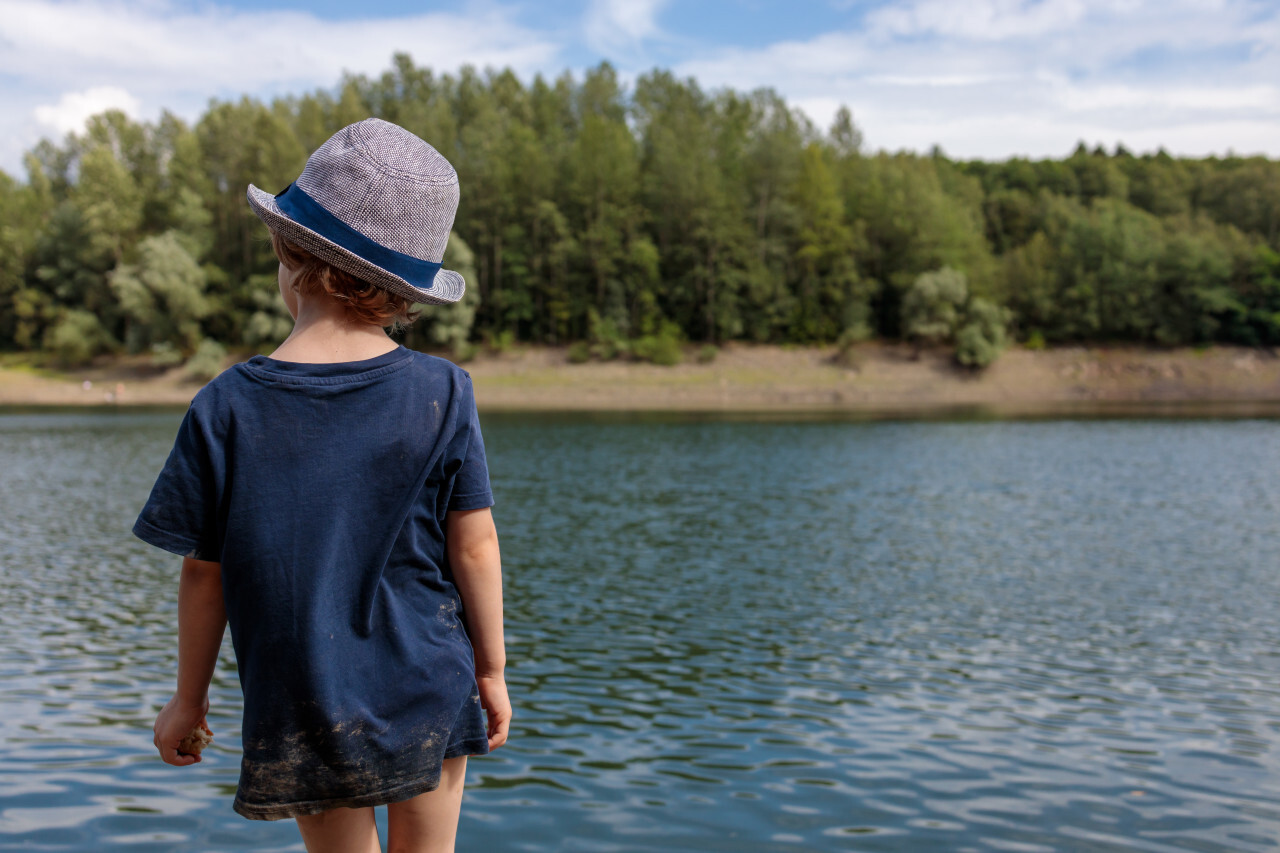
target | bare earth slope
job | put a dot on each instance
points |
(878, 378)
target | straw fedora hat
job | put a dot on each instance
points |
(375, 201)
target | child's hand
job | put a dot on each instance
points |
(493, 698)
(175, 722)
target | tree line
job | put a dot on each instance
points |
(631, 220)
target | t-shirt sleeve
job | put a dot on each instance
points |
(180, 515)
(471, 489)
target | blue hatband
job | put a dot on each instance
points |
(306, 211)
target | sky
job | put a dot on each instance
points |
(986, 79)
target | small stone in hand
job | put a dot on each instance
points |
(194, 743)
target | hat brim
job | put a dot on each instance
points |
(446, 288)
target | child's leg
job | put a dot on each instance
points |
(429, 822)
(340, 831)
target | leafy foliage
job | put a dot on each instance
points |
(932, 307)
(161, 295)
(982, 337)
(207, 361)
(624, 221)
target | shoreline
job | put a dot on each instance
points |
(876, 380)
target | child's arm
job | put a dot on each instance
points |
(472, 541)
(202, 618)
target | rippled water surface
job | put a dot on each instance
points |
(737, 636)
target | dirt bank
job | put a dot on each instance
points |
(878, 378)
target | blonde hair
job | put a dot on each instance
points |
(364, 302)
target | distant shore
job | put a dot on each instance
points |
(876, 378)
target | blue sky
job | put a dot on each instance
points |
(981, 78)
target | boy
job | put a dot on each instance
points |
(331, 502)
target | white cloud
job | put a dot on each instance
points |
(156, 47)
(979, 19)
(614, 26)
(995, 78)
(982, 78)
(1254, 98)
(73, 109)
(164, 56)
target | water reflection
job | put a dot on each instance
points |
(727, 635)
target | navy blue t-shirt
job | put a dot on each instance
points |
(322, 489)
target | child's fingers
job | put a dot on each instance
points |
(170, 755)
(174, 724)
(497, 707)
(499, 726)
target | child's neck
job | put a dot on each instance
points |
(326, 339)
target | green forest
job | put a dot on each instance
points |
(638, 221)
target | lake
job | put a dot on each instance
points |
(732, 635)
